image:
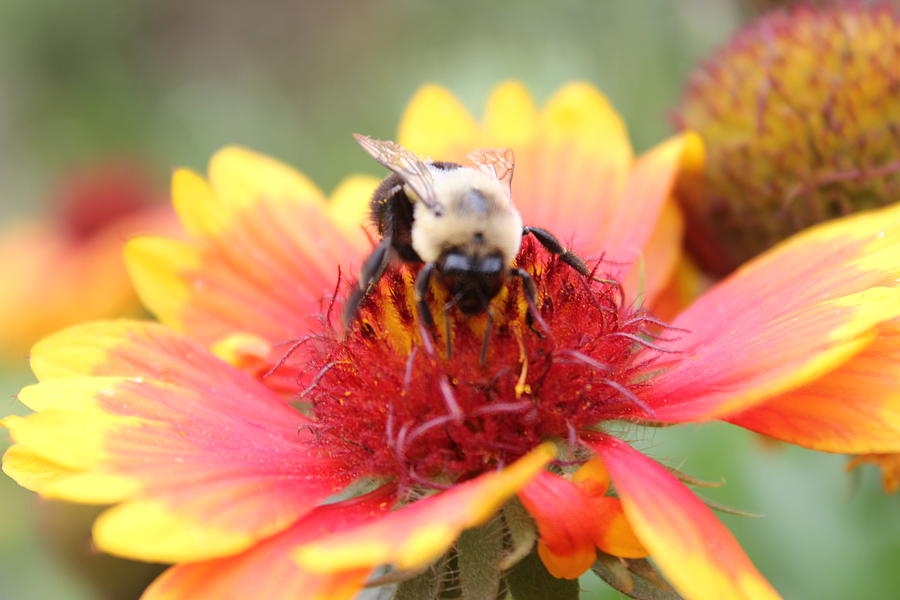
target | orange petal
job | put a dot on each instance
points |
(854, 409)
(614, 533)
(592, 477)
(566, 522)
(572, 524)
(569, 564)
(205, 459)
(692, 548)
(417, 534)
(267, 571)
(266, 252)
(784, 319)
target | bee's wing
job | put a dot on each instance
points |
(499, 162)
(409, 166)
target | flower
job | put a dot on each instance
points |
(310, 457)
(799, 116)
(67, 268)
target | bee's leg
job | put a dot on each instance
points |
(448, 328)
(531, 297)
(448, 306)
(487, 336)
(423, 280)
(371, 272)
(549, 241)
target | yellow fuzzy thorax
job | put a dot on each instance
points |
(496, 219)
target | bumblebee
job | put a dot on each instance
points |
(458, 221)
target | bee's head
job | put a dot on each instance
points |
(472, 275)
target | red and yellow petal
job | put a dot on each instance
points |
(54, 480)
(240, 178)
(435, 124)
(783, 320)
(574, 165)
(264, 255)
(415, 535)
(854, 409)
(575, 169)
(686, 284)
(349, 202)
(692, 548)
(156, 266)
(645, 226)
(510, 116)
(267, 571)
(204, 460)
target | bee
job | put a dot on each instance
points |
(459, 222)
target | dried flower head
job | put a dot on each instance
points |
(800, 114)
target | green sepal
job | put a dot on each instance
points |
(425, 586)
(522, 533)
(478, 557)
(636, 578)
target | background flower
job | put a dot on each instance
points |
(798, 113)
(66, 266)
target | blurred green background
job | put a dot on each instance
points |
(170, 82)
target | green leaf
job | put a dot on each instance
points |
(530, 580)
(478, 555)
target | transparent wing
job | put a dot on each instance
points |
(499, 162)
(407, 165)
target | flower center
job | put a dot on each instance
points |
(483, 394)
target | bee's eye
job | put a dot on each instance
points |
(491, 264)
(456, 262)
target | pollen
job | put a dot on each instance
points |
(396, 400)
